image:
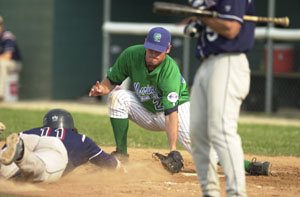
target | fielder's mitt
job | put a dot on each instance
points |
(173, 162)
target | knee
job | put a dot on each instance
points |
(194, 130)
(117, 97)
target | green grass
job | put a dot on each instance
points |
(96, 127)
(270, 139)
(257, 139)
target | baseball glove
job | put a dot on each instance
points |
(173, 162)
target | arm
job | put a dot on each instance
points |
(93, 153)
(171, 121)
(6, 56)
(105, 160)
(226, 28)
(102, 89)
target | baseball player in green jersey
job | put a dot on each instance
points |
(160, 101)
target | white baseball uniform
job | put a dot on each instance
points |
(224, 83)
(220, 85)
(44, 160)
(125, 104)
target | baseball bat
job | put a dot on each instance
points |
(174, 9)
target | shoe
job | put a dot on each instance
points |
(120, 155)
(13, 151)
(259, 168)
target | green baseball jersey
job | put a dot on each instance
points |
(162, 89)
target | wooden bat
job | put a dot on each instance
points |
(174, 9)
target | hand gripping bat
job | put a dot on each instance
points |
(174, 9)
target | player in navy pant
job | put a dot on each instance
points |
(220, 84)
(46, 153)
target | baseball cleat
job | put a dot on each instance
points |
(14, 147)
(259, 168)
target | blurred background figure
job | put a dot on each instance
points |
(10, 57)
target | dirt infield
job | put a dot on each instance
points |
(146, 176)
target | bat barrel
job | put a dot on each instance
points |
(283, 21)
(174, 9)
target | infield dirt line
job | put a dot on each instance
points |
(96, 107)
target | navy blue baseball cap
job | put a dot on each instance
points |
(158, 39)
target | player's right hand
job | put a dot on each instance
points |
(97, 90)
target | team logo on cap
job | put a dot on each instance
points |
(54, 118)
(157, 37)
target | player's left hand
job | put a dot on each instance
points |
(173, 162)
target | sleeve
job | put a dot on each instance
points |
(97, 156)
(231, 9)
(170, 84)
(119, 71)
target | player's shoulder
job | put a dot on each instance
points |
(72, 133)
(135, 48)
(171, 63)
(133, 53)
(78, 136)
(7, 35)
(87, 142)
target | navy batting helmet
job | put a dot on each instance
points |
(58, 118)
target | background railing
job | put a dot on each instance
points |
(262, 34)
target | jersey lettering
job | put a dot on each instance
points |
(146, 93)
(45, 131)
(60, 132)
(157, 104)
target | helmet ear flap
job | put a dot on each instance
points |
(58, 118)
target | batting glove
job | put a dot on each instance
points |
(193, 29)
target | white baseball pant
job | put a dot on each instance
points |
(220, 85)
(44, 160)
(125, 104)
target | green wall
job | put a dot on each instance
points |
(60, 42)
(76, 47)
(31, 22)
